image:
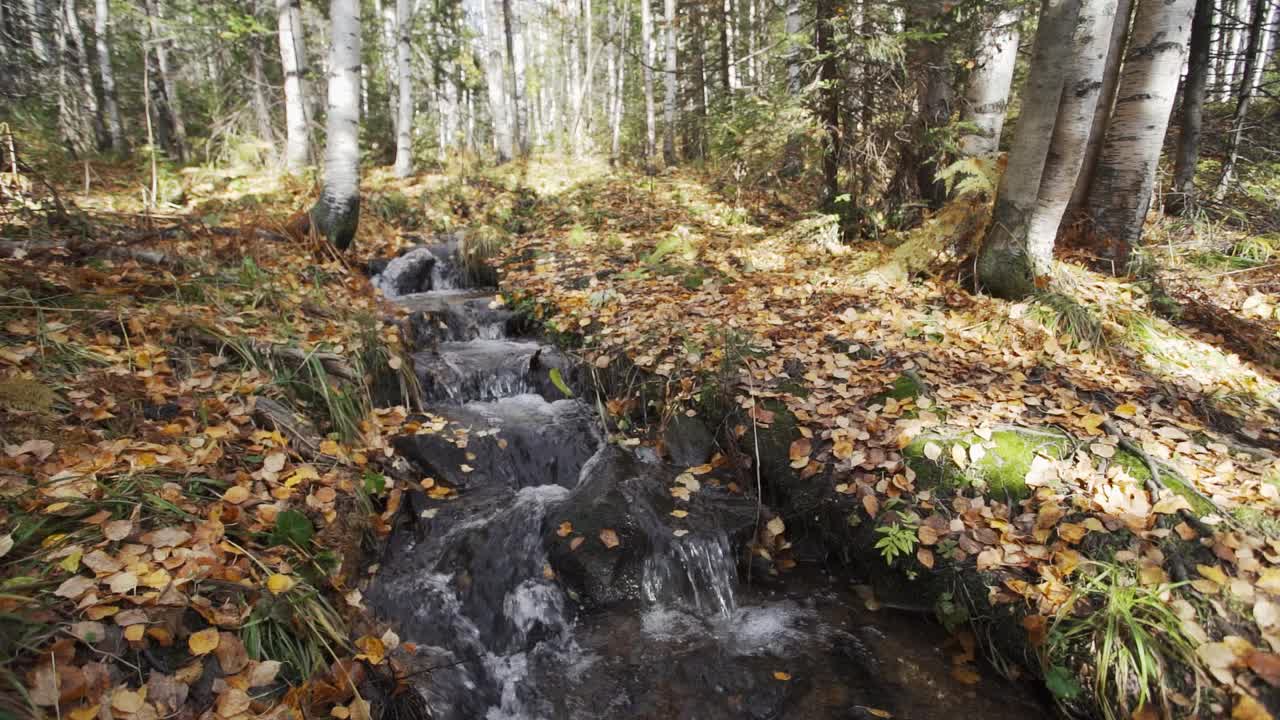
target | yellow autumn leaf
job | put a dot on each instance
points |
(203, 642)
(278, 583)
(371, 650)
(781, 675)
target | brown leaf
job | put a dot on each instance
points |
(609, 538)
(1266, 665)
(232, 702)
(231, 653)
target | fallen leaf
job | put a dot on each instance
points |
(203, 642)
(780, 675)
(278, 583)
(609, 538)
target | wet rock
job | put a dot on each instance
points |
(443, 317)
(409, 273)
(514, 442)
(459, 372)
(688, 441)
(622, 499)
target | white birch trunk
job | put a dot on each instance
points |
(87, 94)
(1121, 191)
(155, 17)
(1004, 265)
(102, 29)
(404, 81)
(671, 83)
(987, 97)
(1081, 90)
(646, 37)
(337, 213)
(293, 62)
(731, 40)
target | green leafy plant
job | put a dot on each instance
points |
(899, 541)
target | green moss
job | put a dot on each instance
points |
(908, 385)
(1135, 467)
(1000, 473)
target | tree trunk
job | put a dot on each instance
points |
(293, 62)
(829, 113)
(519, 131)
(35, 26)
(1120, 194)
(574, 91)
(646, 37)
(795, 43)
(1102, 112)
(935, 96)
(698, 55)
(257, 91)
(337, 213)
(1082, 89)
(172, 104)
(617, 60)
(1008, 262)
(1221, 49)
(1244, 95)
(404, 82)
(726, 52)
(1239, 41)
(987, 97)
(87, 94)
(1183, 196)
(101, 28)
(588, 51)
(729, 35)
(385, 16)
(670, 83)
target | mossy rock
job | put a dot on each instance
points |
(1000, 473)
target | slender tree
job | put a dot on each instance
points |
(172, 103)
(337, 213)
(1244, 96)
(102, 29)
(987, 96)
(829, 112)
(1102, 112)
(404, 81)
(650, 121)
(258, 86)
(1183, 195)
(87, 94)
(1120, 193)
(670, 83)
(293, 61)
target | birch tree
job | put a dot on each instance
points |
(172, 102)
(1008, 263)
(293, 62)
(646, 38)
(1120, 194)
(404, 81)
(987, 96)
(337, 213)
(670, 83)
(102, 30)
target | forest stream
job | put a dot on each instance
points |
(558, 583)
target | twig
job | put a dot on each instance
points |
(1154, 483)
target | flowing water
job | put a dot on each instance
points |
(554, 585)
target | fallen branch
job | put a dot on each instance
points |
(85, 249)
(1154, 484)
(301, 432)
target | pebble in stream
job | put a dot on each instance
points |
(525, 621)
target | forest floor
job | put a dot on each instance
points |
(196, 418)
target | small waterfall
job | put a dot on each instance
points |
(696, 572)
